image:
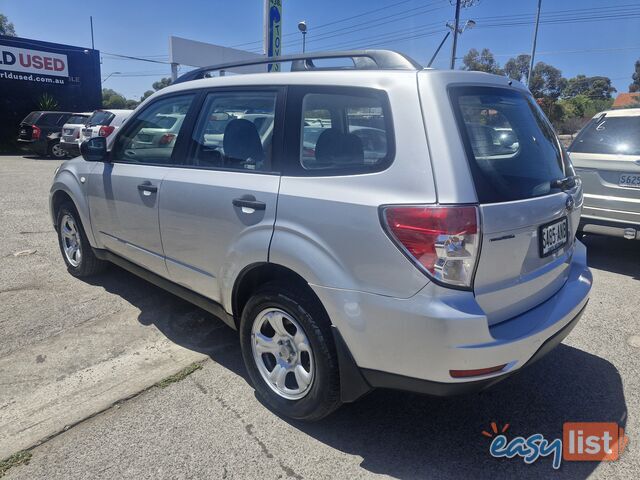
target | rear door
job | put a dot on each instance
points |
(124, 193)
(26, 126)
(606, 155)
(528, 217)
(218, 209)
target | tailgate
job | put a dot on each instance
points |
(527, 195)
(514, 274)
(24, 131)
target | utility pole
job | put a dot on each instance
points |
(91, 22)
(456, 26)
(533, 47)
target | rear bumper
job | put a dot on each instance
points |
(412, 344)
(71, 148)
(614, 228)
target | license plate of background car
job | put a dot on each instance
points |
(553, 236)
(629, 180)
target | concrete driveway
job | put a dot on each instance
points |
(86, 355)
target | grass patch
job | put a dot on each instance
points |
(20, 458)
(181, 375)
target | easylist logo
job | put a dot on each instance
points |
(33, 61)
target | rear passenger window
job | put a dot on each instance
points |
(235, 131)
(49, 119)
(343, 132)
(152, 135)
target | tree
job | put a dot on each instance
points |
(518, 68)
(6, 27)
(546, 81)
(593, 87)
(481, 61)
(635, 85)
(113, 99)
(159, 85)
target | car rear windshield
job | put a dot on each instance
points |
(77, 119)
(513, 152)
(609, 135)
(31, 118)
(100, 118)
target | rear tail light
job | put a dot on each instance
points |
(35, 133)
(77, 134)
(106, 130)
(442, 241)
(166, 139)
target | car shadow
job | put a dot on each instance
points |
(406, 435)
(613, 254)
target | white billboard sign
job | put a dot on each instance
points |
(200, 54)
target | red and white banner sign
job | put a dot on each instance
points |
(33, 61)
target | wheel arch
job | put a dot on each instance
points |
(60, 193)
(352, 383)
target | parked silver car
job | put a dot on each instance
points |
(606, 155)
(441, 263)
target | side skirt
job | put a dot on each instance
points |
(171, 287)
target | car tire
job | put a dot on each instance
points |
(75, 248)
(56, 151)
(315, 354)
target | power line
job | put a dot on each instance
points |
(344, 19)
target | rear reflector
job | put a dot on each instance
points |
(444, 241)
(477, 372)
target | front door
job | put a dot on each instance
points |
(218, 211)
(124, 193)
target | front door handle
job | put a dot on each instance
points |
(147, 187)
(249, 201)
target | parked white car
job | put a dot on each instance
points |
(71, 131)
(104, 123)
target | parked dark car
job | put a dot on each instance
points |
(39, 133)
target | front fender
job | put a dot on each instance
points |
(67, 180)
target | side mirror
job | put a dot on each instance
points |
(94, 149)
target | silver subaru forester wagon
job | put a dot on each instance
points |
(380, 226)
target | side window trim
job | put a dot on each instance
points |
(277, 149)
(130, 125)
(295, 96)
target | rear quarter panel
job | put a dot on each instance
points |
(328, 228)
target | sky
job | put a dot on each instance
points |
(592, 37)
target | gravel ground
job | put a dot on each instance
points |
(210, 425)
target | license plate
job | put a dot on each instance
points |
(553, 236)
(629, 180)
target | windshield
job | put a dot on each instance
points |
(513, 152)
(77, 119)
(100, 117)
(609, 135)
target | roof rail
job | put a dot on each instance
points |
(362, 60)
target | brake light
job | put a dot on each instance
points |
(106, 130)
(443, 241)
(77, 134)
(166, 139)
(35, 133)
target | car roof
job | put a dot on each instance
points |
(622, 112)
(380, 79)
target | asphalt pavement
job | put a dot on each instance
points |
(211, 425)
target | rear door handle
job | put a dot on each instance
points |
(147, 187)
(249, 201)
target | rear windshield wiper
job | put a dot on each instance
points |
(566, 183)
